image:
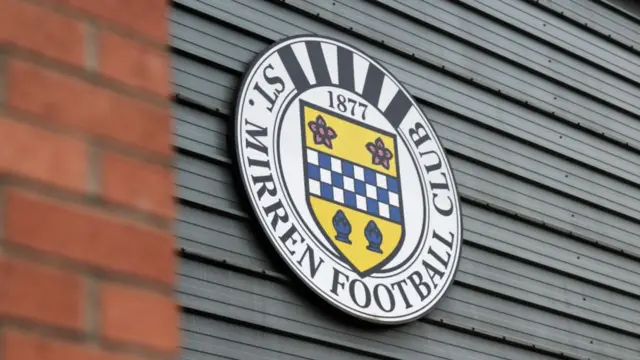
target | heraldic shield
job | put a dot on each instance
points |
(353, 187)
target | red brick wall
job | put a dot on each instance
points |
(86, 184)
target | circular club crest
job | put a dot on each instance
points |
(348, 179)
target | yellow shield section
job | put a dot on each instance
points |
(353, 187)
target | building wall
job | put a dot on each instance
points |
(87, 252)
(538, 106)
(626, 8)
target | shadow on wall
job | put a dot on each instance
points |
(631, 6)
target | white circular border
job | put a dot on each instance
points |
(249, 74)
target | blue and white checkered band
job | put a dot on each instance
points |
(360, 188)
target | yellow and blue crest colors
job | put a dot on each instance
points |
(355, 199)
(347, 179)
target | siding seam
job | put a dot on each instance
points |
(470, 81)
(617, 10)
(202, 107)
(546, 42)
(584, 26)
(245, 217)
(491, 53)
(195, 105)
(329, 344)
(286, 280)
(583, 238)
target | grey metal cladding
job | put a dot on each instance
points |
(589, 13)
(527, 16)
(438, 49)
(263, 9)
(200, 133)
(500, 275)
(258, 302)
(516, 46)
(220, 337)
(488, 108)
(540, 117)
(255, 300)
(474, 180)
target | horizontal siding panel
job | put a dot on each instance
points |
(626, 8)
(219, 236)
(229, 81)
(489, 109)
(531, 18)
(206, 184)
(517, 47)
(241, 346)
(599, 18)
(263, 303)
(495, 188)
(200, 133)
(236, 341)
(550, 290)
(481, 268)
(188, 354)
(466, 138)
(213, 235)
(501, 114)
(610, 14)
(525, 241)
(531, 325)
(469, 138)
(469, 62)
(588, 191)
(210, 87)
(535, 135)
(461, 306)
(230, 48)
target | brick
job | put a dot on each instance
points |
(139, 317)
(57, 160)
(72, 102)
(40, 30)
(24, 346)
(41, 294)
(140, 185)
(89, 237)
(134, 64)
(148, 17)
